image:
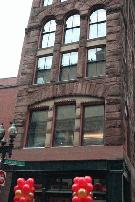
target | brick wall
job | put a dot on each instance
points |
(8, 93)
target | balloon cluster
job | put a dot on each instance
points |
(82, 189)
(24, 190)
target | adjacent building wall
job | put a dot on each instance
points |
(8, 93)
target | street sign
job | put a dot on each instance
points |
(2, 177)
(14, 162)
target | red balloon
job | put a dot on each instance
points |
(75, 199)
(89, 187)
(22, 199)
(20, 182)
(26, 188)
(75, 187)
(16, 199)
(30, 181)
(88, 179)
(88, 199)
(82, 182)
(32, 189)
(16, 188)
(76, 180)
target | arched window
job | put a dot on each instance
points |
(72, 29)
(48, 34)
(97, 27)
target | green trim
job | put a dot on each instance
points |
(65, 166)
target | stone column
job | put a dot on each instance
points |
(77, 126)
(82, 52)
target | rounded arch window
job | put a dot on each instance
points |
(48, 34)
(72, 29)
(97, 25)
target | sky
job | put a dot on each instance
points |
(14, 17)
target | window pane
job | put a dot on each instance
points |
(41, 63)
(52, 25)
(93, 31)
(97, 27)
(37, 129)
(45, 40)
(68, 67)
(64, 74)
(76, 20)
(45, 62)
(68, 38)
(101, 15)
(47, 2)
(43, 76)
(40, 79)
(92, 55)
(93, 17)
(73, 58)
(72, 32)
(44, 69)
(48, 62)
(72, 72)
(93, 123)
(75, 35)
(101, 29)
(101, 54)
(51, 39)
(65, 59)
(96, 54)
(100, 68)
(65, 123)
(69, 22)
(47, 27)
(96, 62)
(92, 70)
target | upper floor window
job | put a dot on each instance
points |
(47, 2)
(64, 125)
(48, 34)
(37, 128)
(44, 70)
(97, 27)
(72, 29)
(69, 66)
(93, 125)
(96, 62)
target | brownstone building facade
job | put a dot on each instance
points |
(75, 101)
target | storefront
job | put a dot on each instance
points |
(54, 179)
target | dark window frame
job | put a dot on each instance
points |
(43, 33)
(71, 28)
(95, 62)
(83, 105)
(57, 104)
(96, 23)
(31, 110)
(43, 70)
(68, 66)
